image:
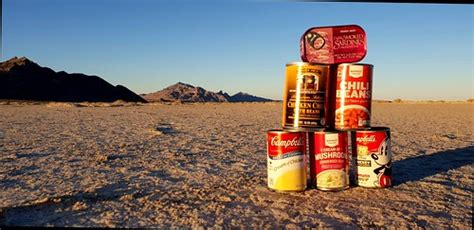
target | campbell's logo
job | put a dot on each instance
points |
(366, 139)
(286, 143)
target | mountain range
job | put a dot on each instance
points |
(183, 92)
(23, 79)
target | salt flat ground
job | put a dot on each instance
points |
(205, 165)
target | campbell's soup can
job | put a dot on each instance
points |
(329, 160)
(286, 160)
(333, 44)
(372, 156)
(304, 95)
(353, 96)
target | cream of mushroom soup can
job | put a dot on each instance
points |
(372, 157)
(329, 160)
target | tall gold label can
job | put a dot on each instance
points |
(304, 95)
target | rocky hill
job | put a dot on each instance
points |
(245, 97)
(22, 79)
(183, 92)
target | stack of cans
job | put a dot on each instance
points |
(326, 134)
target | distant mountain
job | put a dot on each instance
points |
(183, 92)
(20, 78)
(245, 97)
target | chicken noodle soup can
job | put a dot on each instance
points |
(286, 160)
(329, 160)
(372, 156)
(304, 95)
(353, 96)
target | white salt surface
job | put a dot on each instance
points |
(204, 165)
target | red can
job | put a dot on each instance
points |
(333, 44)
(329, 160)
(353, 96)
(286, 160)
(372, 155)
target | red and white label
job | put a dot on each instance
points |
(329, 160)
(372, 157)
(286, 161)
(353, 96)
(332, 45)
(281, 144)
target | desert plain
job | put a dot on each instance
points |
(204, 165)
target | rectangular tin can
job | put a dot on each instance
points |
(286, 160)
(333, 44)
(372, 156)
(304, 95)
(329, 160)
(353, 96)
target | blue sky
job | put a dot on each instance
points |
(420, 51)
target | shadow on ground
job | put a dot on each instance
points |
(420, 167)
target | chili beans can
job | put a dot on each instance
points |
(333, 44)
(372, 156)
(286, 160)
(353, 93)
(304, 95)
(329, 160)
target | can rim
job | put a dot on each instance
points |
(336, 189)
(283, 131)
(302, 129)
(329, 131)
(301, 63)
(373, 129)
(362, 64)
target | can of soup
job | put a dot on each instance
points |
(372, 156)
(329, 160)
(353, 96)
(304, 95)
(333, 44)
(286, 160)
